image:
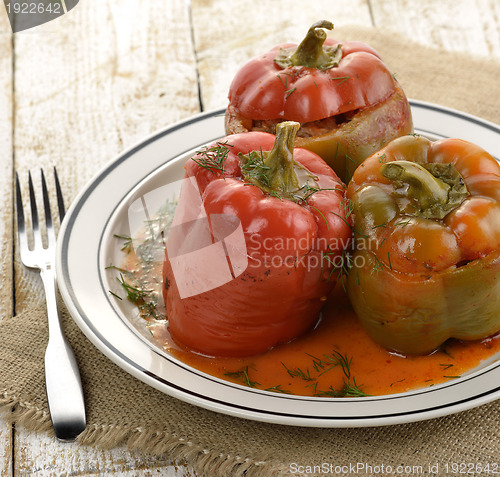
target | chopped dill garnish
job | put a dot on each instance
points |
(253, 166)
(342, 79)
(348, 207)
(285, 82)
(141, 285)
(446, 366)
(329, 362)
(447, 353)
(127, 244)
(361, 235)
(118, 269)
(243, 375)
(134, 294)
(321, 366)
(278, 389)
(213, 158)
(307, 190)
(348, 174)
(343, 268)
(322, 215)
(289, 92)
(403, 224)
(298, 373)
(378, 265)
(118, 297)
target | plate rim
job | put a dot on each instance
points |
(170, 388)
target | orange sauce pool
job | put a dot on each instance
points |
(334, 357)
(304, 366)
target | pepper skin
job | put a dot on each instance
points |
(427, 225)
(292, 212)
(346, 84)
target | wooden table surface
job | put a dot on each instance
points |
(78, 90)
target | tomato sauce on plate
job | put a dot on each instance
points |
(336, 358)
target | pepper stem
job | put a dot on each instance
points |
(282, 176)
(311, 52)
(434, 190)
(274, 171)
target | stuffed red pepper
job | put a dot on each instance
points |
(288, 208)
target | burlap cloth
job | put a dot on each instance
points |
(122, 410)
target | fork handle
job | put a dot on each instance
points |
(62, 378)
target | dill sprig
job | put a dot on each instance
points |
(298, 373)
(378, 265)
(328, 362)
(213, 158)
(446, 366)
(142, 286)
(343, 266)
(278, 389)
(127, 242)
(340, 79)
(308, 190)
(403, 223)
(321, 365)
(253, 166)
(243, 375)
(135, 294)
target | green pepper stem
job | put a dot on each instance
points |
(281, 173)
(436, 189)
(311, 52)
(422, 185)
(275, 171)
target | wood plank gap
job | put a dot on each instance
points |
(370, 11)
(195, 54)
(13, 172)
(13, 226)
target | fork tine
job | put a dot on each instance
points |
(60, 200)
(21, 224)
(37, 236)
(51, 236)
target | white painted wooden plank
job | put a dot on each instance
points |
(454, 25)
(89, 85)
(229, 33)
(47, 456)
(6, 210)
(95, 81)
(5, 166)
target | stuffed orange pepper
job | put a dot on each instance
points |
(427, 225)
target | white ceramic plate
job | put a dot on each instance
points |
(86, 246)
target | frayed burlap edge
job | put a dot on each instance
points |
(178, 449)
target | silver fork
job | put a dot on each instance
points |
(62, 378)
